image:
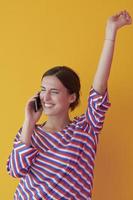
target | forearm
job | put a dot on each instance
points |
(105, 61)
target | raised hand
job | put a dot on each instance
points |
(119, 20)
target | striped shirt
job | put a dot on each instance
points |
(59, 166)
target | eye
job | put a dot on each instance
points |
(54, 92)
(43, 89)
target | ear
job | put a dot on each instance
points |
(72, 98)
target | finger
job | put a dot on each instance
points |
(129, 20)
(119, 13)
(124, 12)
(128, 17)
(32, 99)
(30, 102)
(36, 95)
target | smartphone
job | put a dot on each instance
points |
(37, 104)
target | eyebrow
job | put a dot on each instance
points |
(53, 89)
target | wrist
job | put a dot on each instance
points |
(27, 131)
(110, 32)
(28, 124)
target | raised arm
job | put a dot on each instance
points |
(103, 70)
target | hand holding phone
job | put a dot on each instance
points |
(37, 103)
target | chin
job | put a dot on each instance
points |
(49, 112)
(54, 113)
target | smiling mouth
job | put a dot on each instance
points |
(47, 105)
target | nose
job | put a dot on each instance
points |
(46, 96)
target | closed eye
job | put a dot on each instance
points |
(43, 89)
(52, 90)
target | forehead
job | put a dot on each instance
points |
(52, 82)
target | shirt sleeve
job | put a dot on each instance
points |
(21, 158)
(97, 107)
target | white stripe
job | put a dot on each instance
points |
(21, 186)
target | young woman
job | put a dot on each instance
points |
(55, 160)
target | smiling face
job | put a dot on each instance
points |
(55, 97)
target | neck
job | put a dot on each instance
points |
(54, 123)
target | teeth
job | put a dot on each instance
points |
(48, 105)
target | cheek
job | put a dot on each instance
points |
(64, 100)
(58, 100)
(41, 96)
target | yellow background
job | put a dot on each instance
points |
(38, 34)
